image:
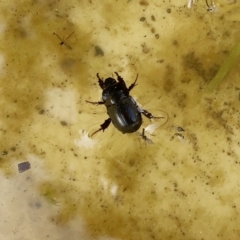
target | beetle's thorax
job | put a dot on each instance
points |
(113, 93)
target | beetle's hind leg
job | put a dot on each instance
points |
(145, 138)
(100, 81)
(95, 103)
(133, 84)
(148, 114)
(103, 126)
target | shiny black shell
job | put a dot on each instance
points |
(121, 107)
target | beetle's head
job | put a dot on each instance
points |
(109, 82)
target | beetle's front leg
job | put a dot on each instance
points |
(120, 79)
(95, 103)
(100, 81)
(148, 114)
(103, 126)
(133, 84)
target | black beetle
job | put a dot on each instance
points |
(122, 109)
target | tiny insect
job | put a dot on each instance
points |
(122, 109)
(63, 40)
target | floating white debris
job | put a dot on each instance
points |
(104, 182)
(152, 128)
(85, 141)
(109, 188)
(190, 3)
(113, 190)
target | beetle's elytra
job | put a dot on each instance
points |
(122, 109)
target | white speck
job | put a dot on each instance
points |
(84, 141)
(3, 27)
(104, 182)
(113, 190)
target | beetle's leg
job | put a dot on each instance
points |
(100, 81)
(103, 126)
(145, 138)
(143, 134)
(95, 103)
(120, 79)
(133, 84)
(148, 114)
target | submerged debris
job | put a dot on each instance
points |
(85, 141)
(225, 68)
(98, 51)
(24, 166)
